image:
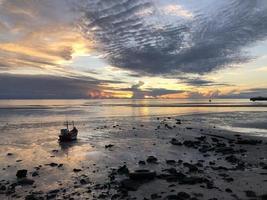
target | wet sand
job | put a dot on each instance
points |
(179, 158)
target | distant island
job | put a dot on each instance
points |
(258, 99)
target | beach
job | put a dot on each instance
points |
(136, 150)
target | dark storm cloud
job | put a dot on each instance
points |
(40, 87)
(139, 93)
(156, 44)
(202, 82)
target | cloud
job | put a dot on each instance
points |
(139, 93)
(214, 37)
(36, 34)
(14, 86)
(201, 82)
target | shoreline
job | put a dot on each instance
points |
(180, 159)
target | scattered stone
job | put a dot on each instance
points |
(183, 196)
(249, 142)
(25, 181)
(109, 146)
(152, 159)
(142, 174)
(250, 193)
(21, 173)
(141, 162)
(52, 164)
(176, 142)
(170, 162)
(35, 173)
(76, 170)
(123, 170)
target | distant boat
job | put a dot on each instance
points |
(258, 99)
(67, 135)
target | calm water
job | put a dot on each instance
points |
(46, 111)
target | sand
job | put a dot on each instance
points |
(181, 159)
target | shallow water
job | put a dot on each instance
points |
(29, 130)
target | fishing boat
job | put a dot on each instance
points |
(67, 135)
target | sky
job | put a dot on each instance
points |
(133, 49)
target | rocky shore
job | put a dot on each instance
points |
(171, 158)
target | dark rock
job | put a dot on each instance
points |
(2, 187)
(192, 168)
(60, 165)
(9, 154)
(25, 181)
(152, 159)
(183, 196)
(77, 170)
(35, 173)
(249, 142)
(190, 143)
(52, 164)
(141, 162)
(109, 146)
(33, 197)
(130, 185)
(250, 193)
(21, 173)
(175, 142)
(171, 197)
(123, 170)
(142, 174)
(228, 190)
(225, 150)
(170, 162)
(155, 196)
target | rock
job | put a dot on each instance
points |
(183, 196)
(109, 146)
(232, 159)
(76, 170)
(264, 197)
(60, 165)
(35, 173)
(52, 164)
(152, 159)
(25, 181)
(9, 154)
(228, 190)
(171, 197)
(33, 197)
(250, 193)
(176, 142)
(225, 150)
(123, 170)
(129, 184)
(155, 196)
(141, 162)
(249, 142)
(21, 173)
(142, 174)
(191, 167)
(170, 162)
(190, 143)
(2, 187)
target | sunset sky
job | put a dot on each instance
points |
(133, 48)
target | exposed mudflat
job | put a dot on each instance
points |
(163, 158)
